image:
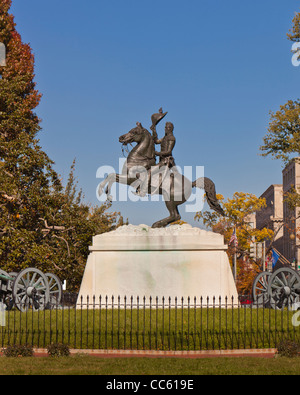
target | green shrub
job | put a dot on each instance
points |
(18, 351)
(58, 350)
(288, 348)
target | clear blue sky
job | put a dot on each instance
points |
(218, 67)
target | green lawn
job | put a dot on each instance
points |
(87, 365)
(168, 329)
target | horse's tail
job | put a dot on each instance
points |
(210, 191)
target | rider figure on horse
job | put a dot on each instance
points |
(168, 181)
(167, 144)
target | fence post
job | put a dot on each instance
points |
(137, 321)
(118, 335)
(150, 327)
(175, 335)
(112, 321)
(144, 321)
(169, 344)
(125, 306)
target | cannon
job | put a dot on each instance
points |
(30, 288)
(277, 289)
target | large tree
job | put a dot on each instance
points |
(26, 174)
(282, 140)
(42, 224)
(283, 137)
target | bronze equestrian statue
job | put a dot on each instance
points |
(145, 175)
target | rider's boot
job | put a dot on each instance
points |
(141, 191)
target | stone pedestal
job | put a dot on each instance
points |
(178, 261)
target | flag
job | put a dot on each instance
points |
(234, 238)
(275, 257)
(269, 262)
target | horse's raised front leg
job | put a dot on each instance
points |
(110, 180)
(101, 186)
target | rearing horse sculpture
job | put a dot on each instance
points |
(175, 188)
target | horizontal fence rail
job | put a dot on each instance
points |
(134, 323)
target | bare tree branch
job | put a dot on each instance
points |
(48, 228)
(67, 244)
(10, 198)
(57, 267)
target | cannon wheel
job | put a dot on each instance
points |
(260, 288)
(55, 289)
(31, 289)
(12, 275)
(4, 289)
(3, 273)
(9, 300)
(284, 288)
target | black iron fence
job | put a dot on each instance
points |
(139, 323)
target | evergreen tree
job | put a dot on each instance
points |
(42, 224)
(26, 174)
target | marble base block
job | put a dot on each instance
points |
(178, 261)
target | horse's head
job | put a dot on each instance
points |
(135, 135)
(144, 151)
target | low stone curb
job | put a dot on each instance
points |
(264, 353)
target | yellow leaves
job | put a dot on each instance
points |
(292, 199)
(246, 234)
(294, 34)
(179, 222)
(237, 210)
(262, 234)
(246, 274)
(241, 205)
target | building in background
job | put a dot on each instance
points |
(271, 216)
(291, 243)
(277, 216)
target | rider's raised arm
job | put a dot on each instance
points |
(154, 135)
